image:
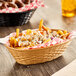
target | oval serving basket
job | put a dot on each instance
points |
(38, 55)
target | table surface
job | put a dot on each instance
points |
(52, 17)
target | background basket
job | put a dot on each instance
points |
(15, 19)
(40, 55)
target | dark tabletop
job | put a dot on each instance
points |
(52, 17)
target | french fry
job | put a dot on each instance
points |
(23, 39)
(41, 32)
(60, 32)
(15, 43)
(28, 31)
(20, 34)
(30, 39)
(67, 35)
(40, 25)
(11, 41)
(64, 31)
(46, 28)
(17, 32)
(47, 40)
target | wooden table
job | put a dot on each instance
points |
(52, 18)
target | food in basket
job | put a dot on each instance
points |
(36, 37)
(13, 3)
(37, 45)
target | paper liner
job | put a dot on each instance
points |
(50, 43)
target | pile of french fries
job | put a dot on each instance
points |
(14, 39)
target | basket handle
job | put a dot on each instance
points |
(72, 34)
(4, 40)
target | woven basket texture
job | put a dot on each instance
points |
(39, 55)
(15, 19)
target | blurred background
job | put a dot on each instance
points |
(52, 15)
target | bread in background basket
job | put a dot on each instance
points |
(37, 45)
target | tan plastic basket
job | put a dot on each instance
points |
(39, 55)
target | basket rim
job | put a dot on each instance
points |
(20, 12)
(68, 40)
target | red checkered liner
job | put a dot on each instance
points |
(50, 43)
(35, 4)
